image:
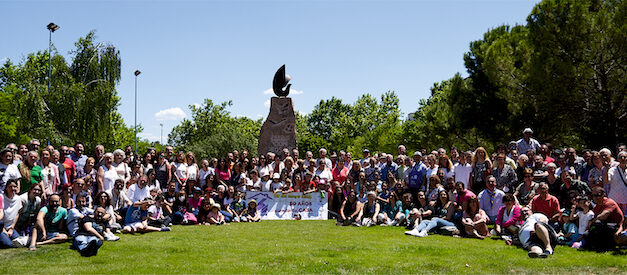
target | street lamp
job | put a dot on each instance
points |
(137, 72)
(52, 27)
(161, 137)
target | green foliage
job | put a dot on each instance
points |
(212, 132)
(81, 104)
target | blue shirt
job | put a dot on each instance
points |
(387, 168)
(417, 176)
(135, 214)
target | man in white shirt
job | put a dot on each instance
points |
(8, 170)
(138, 191)
(463, 169)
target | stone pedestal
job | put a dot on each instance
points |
(279, 129)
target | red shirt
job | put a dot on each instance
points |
(462, 198)
(70, 169)
(616, 215)
(340, 175)
(548, 206)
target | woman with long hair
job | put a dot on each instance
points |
(162, 171)
(223, 171)
(475, 220)
(31, 173)
(443, 211)
(49, 173)
(179, 170)
(481, 167)
(446, 165)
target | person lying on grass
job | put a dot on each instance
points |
(536, 235)
(137, 218)
(251, 213)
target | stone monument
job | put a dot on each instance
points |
(279, 129)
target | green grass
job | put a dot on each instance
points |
(302, 247)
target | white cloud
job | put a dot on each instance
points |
(170, 114)
(150, 136)
(267, 103)
(292, 92)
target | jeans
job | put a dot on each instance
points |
(227, 216)
(428, 225)
(81, 243)
(5, 241)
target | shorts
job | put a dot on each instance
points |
(50, 235)
(135, 225)
(535, 241)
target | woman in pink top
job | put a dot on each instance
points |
(223, 171)
(509, 218)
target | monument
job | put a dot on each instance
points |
(279, 130)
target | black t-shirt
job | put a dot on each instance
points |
(100, 227)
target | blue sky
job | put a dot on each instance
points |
(229, 50)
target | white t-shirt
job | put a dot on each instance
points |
(108, 181)
(8, 172)
(202, 175)
(324, 174)
(276, 186)
(266, 186)
(462, 173)
(192, 171)
(618, 189)
(584, 218)
(154, 211)
(11, 208)
(529, 226)
(136, 194)
(181, 170)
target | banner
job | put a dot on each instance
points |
(312, 206)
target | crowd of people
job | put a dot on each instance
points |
(526, 193)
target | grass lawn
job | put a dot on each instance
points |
(302, 247)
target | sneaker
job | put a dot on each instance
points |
(393, 223)
(111, 237)
(21, 241)
(165, 229)
(413, 232)
(422, 234)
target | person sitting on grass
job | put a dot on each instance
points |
(251, 213)
(536, 235)
(155, 214)
(350, 209)
(508, 219)
(606, 224)
(546, 204)
(237, 207)
(80, 211)
(91, 231)
(137, 218)
(422, 211)
(369, 211)
(390, 208)
(582, 212)
(475, 220)
(31, 202)
(205, 208)
(443, 211)
(215, 216)
(51, 222)
(12, 205)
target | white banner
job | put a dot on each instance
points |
(312, 206)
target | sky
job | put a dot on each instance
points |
(189, 51)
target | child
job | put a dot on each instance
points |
(137, 218)
(214, 216)
(251, 213)
(570, 229)
(237, 207)
(287, 187)
(155, 213)
(585, 216)
(276, 183)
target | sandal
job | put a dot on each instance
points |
(533, 254)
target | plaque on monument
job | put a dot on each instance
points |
(279, 130)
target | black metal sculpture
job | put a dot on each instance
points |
(280, 80)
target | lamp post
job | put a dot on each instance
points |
(52, 27)
(137, 72)
(161, 137)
